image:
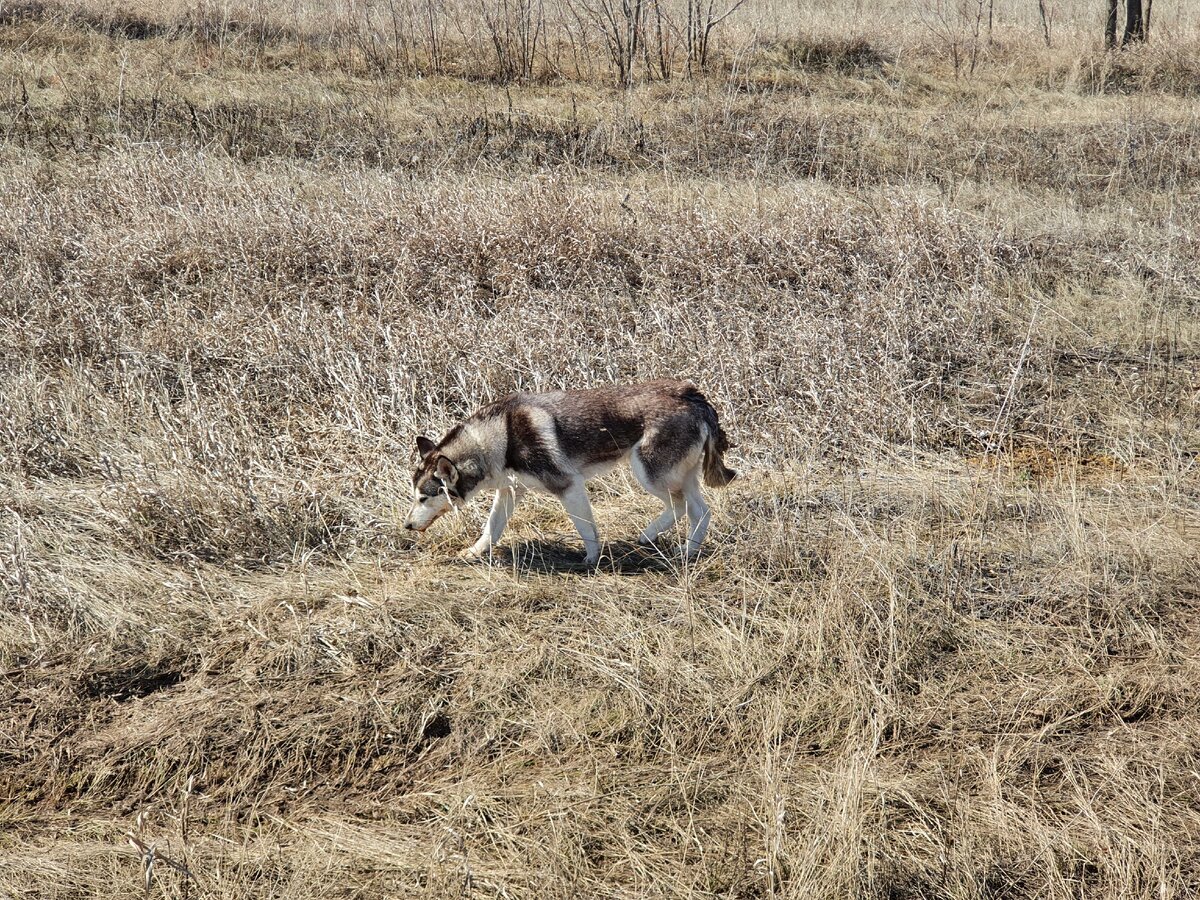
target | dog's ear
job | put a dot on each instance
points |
(425, 446)
(446, 472)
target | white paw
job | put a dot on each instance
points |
(474, 554)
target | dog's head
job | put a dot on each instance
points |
(435, 487)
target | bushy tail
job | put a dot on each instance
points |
(716, 473)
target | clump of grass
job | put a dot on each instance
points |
(1169, 68)
(216, 522)
(826, 53)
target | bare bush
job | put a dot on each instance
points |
(516, 28)
(957, 25)
(703, 17)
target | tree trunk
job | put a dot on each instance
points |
(1110, 25)
(1135, 24)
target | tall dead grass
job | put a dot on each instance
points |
(275, 340)
(943, 643)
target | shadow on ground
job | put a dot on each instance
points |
(559, 557)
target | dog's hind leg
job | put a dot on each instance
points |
(697, 513)
(575, 501)
(674, 502)
(673, 510)
(502, 510)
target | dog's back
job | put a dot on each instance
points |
(583, 431)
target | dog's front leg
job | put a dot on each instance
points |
(575, 501)
(502, 509)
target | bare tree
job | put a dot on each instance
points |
(620, 25)
(702, 17)
(664, 41)
(1045, 20)
(1135, 22)
(433, 15)
(515, 28)
(1110, 25)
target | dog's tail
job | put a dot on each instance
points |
(716, 473)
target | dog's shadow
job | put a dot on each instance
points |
(558, 557)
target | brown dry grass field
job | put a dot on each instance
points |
(941, 280)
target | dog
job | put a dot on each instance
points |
(554, 442)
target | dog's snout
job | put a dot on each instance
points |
(408, 526)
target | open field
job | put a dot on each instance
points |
(943, 290)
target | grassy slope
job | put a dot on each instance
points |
(944, 643)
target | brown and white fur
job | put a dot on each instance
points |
(554, 442)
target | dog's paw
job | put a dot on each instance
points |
(473, 554)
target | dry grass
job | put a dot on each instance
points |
(944, 641)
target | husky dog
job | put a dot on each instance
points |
(554, 442)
